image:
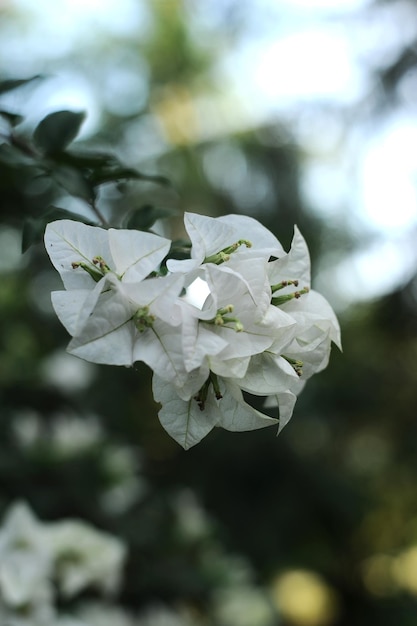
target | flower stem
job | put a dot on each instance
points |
(289, 296)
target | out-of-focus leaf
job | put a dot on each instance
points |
(57, 130)
(12, 118)
(87, 159)
(114, 174)
(34, 227)
(142, 218)
(73, 181)
(10, 84)
(13, 157)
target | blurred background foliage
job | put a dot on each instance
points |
(315, 528)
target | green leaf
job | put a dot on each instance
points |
(34, 227)
(86, 159)
(9, 85)
(142, 218)
(73, 181)
(114, 174)
(13, 157)
(57, 130)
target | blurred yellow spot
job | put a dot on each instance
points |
(379, 576)
(303, 598)
(405, 569)
(175, 111)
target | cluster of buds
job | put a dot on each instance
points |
(237, 316)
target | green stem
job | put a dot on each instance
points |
(289, 296)
(224, 255)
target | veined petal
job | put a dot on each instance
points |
(313, 309)
(285, 401)
(200, 345)
(135, 253)
(230, 280)
(159, 294)
(108, 335)
(236, 414)
(261, 238)
(293, 266)
(75, 307)
(160, 347)
(113, 348)
(208, 235)
(268, 374)
(68, 306)
(182, 419)
(314, 354)
(193, 382)
(230, 368)
(68, 242)
(183, 266)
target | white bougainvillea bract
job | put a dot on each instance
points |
(258, 330)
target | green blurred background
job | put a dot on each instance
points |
(279, 111)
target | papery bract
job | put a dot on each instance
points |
(131, 254)
(211, 235)
(188, 424)
(108, 302)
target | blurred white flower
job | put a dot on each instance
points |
(163, 616)
(25, 560)
(102, 614)
(243, 606)
(85, 557)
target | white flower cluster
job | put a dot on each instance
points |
(254, 325)
(40, 560)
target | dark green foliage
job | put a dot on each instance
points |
(57, 130)
(144, 217)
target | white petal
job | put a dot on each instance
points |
(286, 401)
(268, 374)
(193, 382)
(229, 368)
(208, 235)
(293, 266)
(236, 414)
(114, 348)
(159, 294)
(184, 265)
(68, 306)
(183, 420)
(68, 242)
(198, 347)
(286, 404)
(160, 347)
(108, 335)
(261, 238)
(136, 254)
(230, 280)
(74, 307)
(313, 309)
